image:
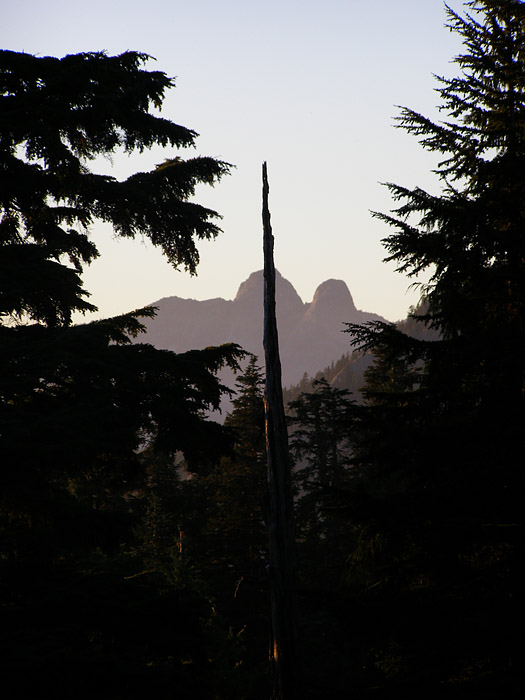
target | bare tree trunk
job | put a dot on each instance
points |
(281, 534)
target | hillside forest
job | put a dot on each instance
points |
(133, 525)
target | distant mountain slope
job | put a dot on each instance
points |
(310, 335)
(348, 372)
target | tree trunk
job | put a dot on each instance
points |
(280, 518)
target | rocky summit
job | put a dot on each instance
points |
(310, 334)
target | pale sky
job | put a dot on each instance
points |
(309, 87)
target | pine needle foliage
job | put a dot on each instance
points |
(438, 456)
(57, 116)
(471, 237)
(79, 404)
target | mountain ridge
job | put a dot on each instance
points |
(310, 334)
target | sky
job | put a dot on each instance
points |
(311, 88)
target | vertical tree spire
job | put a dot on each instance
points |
(281, 536)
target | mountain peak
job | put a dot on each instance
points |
(309, 334)
(252, 285)
(331, 295)
(251, 291)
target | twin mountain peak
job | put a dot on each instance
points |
(310, 335)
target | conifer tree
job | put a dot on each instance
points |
(221, 512)
(236, 488)
(57, 116)
(79, 403)
(471, 240)
(321, 440)
(77, 396)
(321, 423)
(441, 445)
(247, 417)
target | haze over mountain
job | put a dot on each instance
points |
(310, 334)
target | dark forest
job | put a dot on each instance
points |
(134, 527)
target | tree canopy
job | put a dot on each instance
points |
(79, 404)
(471, 240)
(129, 569)
(439, 453)
(57, 117)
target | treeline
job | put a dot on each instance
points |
(133, 528)
(348, 372)
(345, 373)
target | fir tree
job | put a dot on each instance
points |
(57, 116)
(321, 443)
(79, 403)
(225, 539)
(237, 487)
(441, 444)
(81, 397)
(472, 240)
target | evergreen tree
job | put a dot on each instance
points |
(440, 449)
(320, 435)
(321, 444)
(237, 488)
(471, 239)
(79, 403)
(81, 396)
(57, 116)
(221, 513)
(247, 417)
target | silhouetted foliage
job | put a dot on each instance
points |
(133, 544)
(320, 442)
(237, 486)
(79, 404)
(208, 527)
(439, 453)
(346, 373)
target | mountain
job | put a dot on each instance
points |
(348, 372)
(310, 334)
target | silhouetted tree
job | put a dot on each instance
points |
(79, 403)
(207, 527)
(471, 240)
(440, 450)
(320, 442)
(236, 491)
(282, 565)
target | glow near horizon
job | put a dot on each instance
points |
(310, 88)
